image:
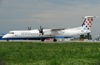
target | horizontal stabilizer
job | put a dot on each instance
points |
(89, 17)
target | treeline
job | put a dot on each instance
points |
(88, 36)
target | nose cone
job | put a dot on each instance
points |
(5, 36)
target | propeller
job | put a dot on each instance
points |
(29, 28)
(41, 30)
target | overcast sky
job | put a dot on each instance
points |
(19, 14)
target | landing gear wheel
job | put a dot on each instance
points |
(7, 40)
(42, 40)
(55, 40)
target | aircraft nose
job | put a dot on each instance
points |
(5, 36)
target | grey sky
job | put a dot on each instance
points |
(19, 14)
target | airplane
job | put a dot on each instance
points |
(42, 34)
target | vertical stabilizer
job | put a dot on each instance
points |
(87, 22)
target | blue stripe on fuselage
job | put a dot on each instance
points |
(62, 37)
(33, 38)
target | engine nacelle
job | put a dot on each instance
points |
(47, 33)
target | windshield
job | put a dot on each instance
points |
(11, 33)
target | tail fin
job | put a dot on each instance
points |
(87, 22)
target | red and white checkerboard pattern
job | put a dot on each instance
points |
(88, 22)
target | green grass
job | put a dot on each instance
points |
(31, 53)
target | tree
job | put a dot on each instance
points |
(82, 37)
(89, 36)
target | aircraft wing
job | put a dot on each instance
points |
(58, 29)
(53, 32)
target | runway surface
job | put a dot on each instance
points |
(47, 41)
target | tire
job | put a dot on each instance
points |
(42, 40)
(7, 40)
(55, 40)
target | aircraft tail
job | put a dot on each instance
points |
(87, 24)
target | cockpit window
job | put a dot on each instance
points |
(11, 33)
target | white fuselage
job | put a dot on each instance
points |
(47, 33)
(52, 33)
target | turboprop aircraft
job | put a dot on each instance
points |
(42, 34)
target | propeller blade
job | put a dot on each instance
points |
(41, 30)
(29, 28)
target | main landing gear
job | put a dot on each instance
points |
(54, 40)
(42, 40)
